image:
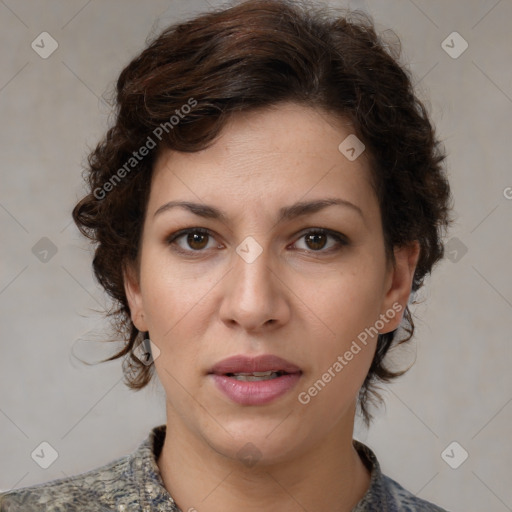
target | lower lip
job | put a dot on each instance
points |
(255, 392)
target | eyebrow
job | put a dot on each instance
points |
(286, 213)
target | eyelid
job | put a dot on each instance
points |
(325, 231)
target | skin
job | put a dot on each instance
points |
(301, 299)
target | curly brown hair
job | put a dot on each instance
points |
(256, 54)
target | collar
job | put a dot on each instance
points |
(144, 472)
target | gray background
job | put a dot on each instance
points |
(51, 112)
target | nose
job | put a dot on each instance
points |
(254, 296)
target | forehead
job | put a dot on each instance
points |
(279, 155)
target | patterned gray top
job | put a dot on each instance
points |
(133, 483)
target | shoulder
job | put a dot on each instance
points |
(95, 491)
(406, 501)
(384, 493)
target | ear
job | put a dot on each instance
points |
(399, 284)
(134, 297)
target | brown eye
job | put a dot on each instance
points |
(316, 241)
(191, 240)
(197, 240)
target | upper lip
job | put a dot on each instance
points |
(246, 364)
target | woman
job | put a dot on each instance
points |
(268, 198)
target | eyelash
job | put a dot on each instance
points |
(340, 239)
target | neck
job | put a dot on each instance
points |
(329, 476)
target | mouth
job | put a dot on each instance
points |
(256, 376)
(255, 380)
(263, 367)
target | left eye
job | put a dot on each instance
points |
(316, 239)
(197, 239)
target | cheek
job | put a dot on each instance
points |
(347, 302)
(344, 350)
(174, 308)
(329, 396)
(168, 296)
(348, 305)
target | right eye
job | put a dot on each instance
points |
(195, 238)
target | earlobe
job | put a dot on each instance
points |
(401, 278)
(134, 297)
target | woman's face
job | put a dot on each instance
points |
(259, 278)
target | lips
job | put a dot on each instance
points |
(255, 381)
(249, 365)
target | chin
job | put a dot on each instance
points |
(258, 441)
